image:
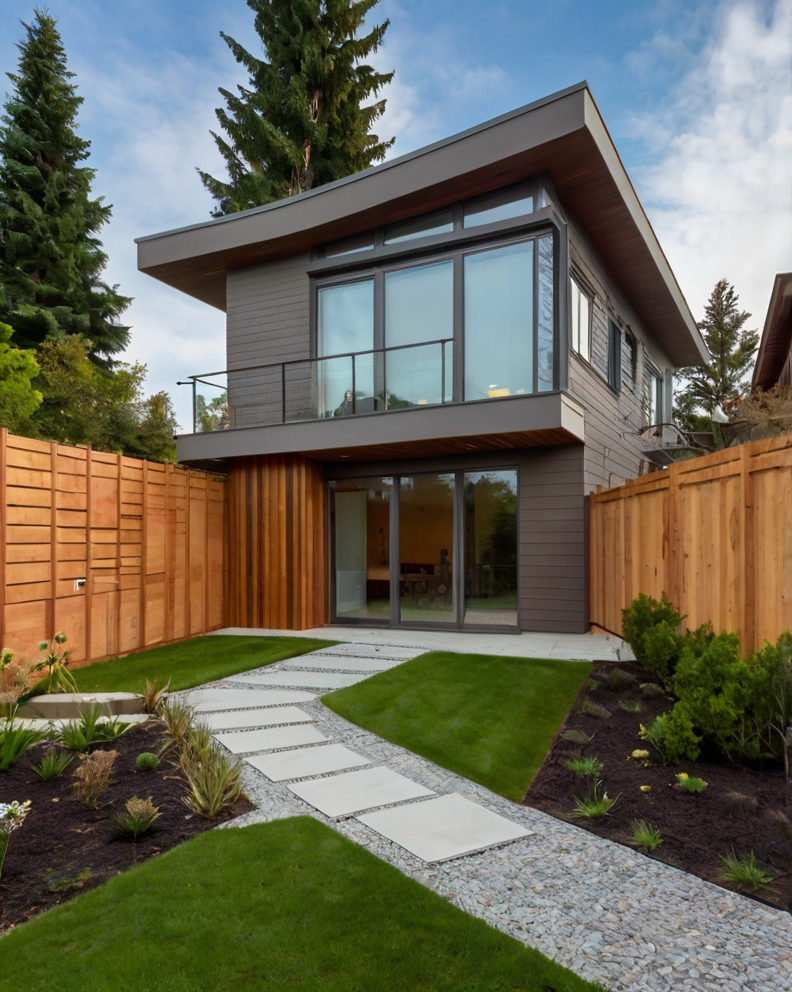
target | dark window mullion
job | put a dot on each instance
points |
(535, 332)
(458, 393)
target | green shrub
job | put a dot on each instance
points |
(147, 762)
(54, 762)
(662, 645)
(641, 616)
(679, 740)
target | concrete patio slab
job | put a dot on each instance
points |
(353, 792)
(443, 828)
(302, 762)
(394, 652)
(272, 716)
(72, 705)
(319, 680)
(45, 723)
(342, 663)
(207, 700)
(566, 647)
(271, 739)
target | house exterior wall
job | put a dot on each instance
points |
(613, 450)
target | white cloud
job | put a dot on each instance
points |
(720, 191)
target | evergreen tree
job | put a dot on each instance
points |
(301, 122)
(50, 257)
(701, 389)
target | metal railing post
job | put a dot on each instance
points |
(354, 385)
(442, 371)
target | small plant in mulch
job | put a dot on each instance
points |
(137, 817)
(53, 764)
(147, 761)
(630, 705)
(12, 816)
(745, 872)
(652, 690)
(594, 805)
(588, 707)
(155, 694)
(644, 835)
(692, 785)
(619, 680)
(15, 740)
(90, 729)
(55, 663)
(575, 736)
(583, 767)
(738, 805)
(92, 778)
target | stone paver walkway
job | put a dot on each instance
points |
(604, 911)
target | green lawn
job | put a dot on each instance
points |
(491, 719)
(289, 905)
(190, 663)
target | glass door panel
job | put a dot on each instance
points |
(426, 549)
(490, 527)
(361, 539)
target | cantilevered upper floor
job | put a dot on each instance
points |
(485, 291)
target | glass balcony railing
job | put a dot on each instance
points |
(320, 388)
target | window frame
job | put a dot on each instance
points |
(614, 355)
(631, 342)
(576, 281)
(481, 241)
(654, 380)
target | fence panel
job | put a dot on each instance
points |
(118, 553)
(714, 534)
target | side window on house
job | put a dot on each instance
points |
(614, 356)
(581, 321)
(653, 398)
(629, 358)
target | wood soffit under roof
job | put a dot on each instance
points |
(594, 190)
(776, 343)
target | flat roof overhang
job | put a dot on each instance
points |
(776, 340)
(421, 431)
(563, 135)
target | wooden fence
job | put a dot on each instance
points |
(713, 533)
(118, 553)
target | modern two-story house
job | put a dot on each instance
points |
(429, 365)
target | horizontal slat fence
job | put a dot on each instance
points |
(147, 539)
(713, 533)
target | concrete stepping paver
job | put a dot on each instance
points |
(272, 716)
(208, 700)
(393, 652)
(319, 680)
(443, 828)
(342, 663)
(271, 739)
(304, 761)
(354, 792)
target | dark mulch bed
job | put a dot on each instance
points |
(64, 848)
(696, 829)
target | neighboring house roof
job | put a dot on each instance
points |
(773, 363)
(562, 134)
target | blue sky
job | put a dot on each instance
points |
(697, 96)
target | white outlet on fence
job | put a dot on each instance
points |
(79, 584)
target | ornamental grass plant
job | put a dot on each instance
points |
(54, 763)
(92, 778)
(15, 740)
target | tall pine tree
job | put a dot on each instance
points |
(301, 123)
(50, 257)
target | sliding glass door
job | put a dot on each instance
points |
(434, 548)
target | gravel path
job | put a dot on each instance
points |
(600, 909)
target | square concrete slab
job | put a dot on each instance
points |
(247, 741)
(320, 680)
(353, 792)
(306, 761)
(443, 828)
(393, 652)
(273, 716)
(207, 700)
(341, 663)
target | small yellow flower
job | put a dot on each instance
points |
(646, 788)
(682, 776)
(640, 754)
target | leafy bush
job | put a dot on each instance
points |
(678, 739)
(642, 616)
(93, 776)
(15, 741)
(138, 817)
(147, 762)
(54, 762)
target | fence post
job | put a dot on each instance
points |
(674, 560)
(53, 537)
(748, 632)
(88, 554)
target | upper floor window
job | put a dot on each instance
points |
(421, 227)
(581, 320)
(653, 398)
(503, 205)
(630, 358)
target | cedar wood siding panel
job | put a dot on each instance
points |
(268, 321)
(612, 450)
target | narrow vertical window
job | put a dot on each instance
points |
(653, 400)
(545, 358)
(581, 321)
(614, 356)
(630, 358)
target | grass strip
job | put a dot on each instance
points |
(489, 718)
(191, 663)
(289, 905)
